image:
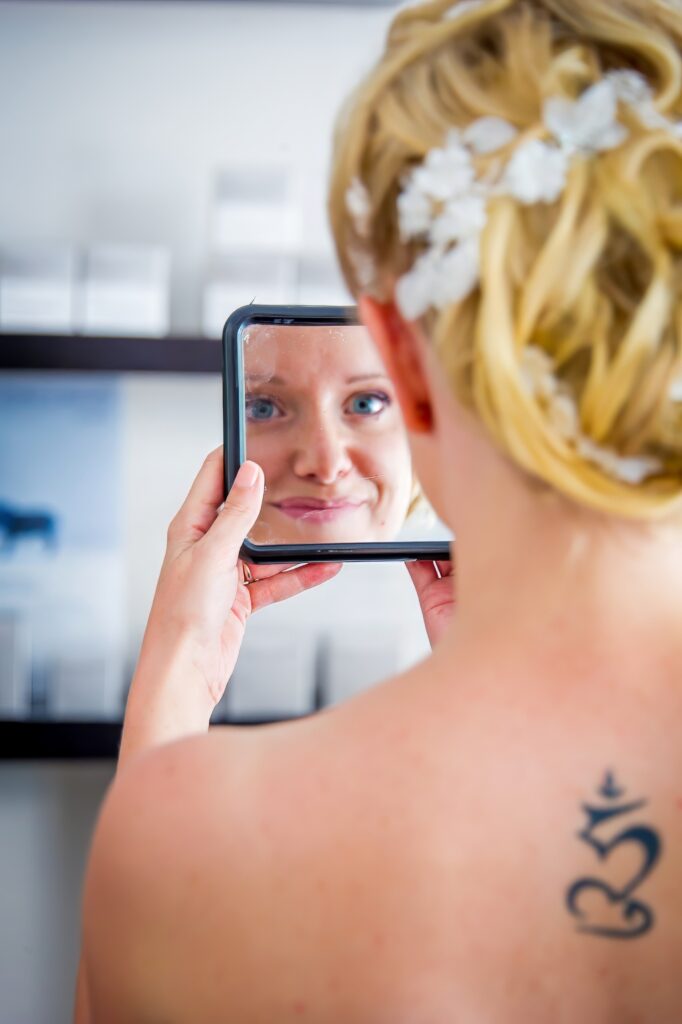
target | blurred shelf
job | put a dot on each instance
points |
(43, 740)
(55, 740)
(173, 354)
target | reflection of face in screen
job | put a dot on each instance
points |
(323, 422)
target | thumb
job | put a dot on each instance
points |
(238, 514)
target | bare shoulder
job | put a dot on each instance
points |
(227, 852)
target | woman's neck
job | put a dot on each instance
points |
(540, 579)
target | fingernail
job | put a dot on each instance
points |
(247, 475)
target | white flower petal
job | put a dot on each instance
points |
(460, 219)
(630, 87)
(462, 8)
(438, 279)
(446, 173)
(612, 137)
(633, 88)
(563, 416)
(628, 469)
(653, 119)
(414, 290)
(457, 274)
(536, 369)
(358, 206)
(635, 470)
(592, 452)
(560, 118)
(536, 173)
(598, 105)
(363, 268)
(589, 123)
(676, 390)
(536, 360)
(540, 381)
(547, 388)
(488, 134)
(453, 140)
(455, 146)
(415, 213)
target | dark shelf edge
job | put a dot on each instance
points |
(41, 740)
(172, 354)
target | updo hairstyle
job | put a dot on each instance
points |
(592, 280)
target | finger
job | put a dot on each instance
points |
(446, 568)
(287, 584)
(240, 511)
(200, 507)
(421, 574)
(261, 572)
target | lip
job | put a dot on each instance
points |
(315, 510)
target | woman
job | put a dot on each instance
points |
(495, 835)
(323, 424)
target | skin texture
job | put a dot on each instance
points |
(405, 856)
(323, 422)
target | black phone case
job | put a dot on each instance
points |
(234, 435)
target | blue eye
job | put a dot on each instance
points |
(261, 409)
(368, 403)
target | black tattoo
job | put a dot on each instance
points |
(637, 917)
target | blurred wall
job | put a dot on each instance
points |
(47, 811)
(116, 116)
(113, 118)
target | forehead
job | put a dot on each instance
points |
(299, 353)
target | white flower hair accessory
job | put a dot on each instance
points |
(554, 396)
(359, 207)
(444, 203)
(462, 8)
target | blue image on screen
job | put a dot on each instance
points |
(59, 462)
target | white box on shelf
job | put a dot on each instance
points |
(256, 209)
(126, 290)
(15, 665)
(274, 677)
(37, 288)
(238, 280)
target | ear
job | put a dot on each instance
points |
(399, 344)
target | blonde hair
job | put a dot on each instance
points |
(593, 279)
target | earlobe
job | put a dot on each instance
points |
(399, 349)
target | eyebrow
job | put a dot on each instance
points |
(368, 376)
(266, 378)
(257, 378)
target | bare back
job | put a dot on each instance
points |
(474, 849)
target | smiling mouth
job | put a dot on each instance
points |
(316, 511)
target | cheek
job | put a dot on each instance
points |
(269, 450)
(385, 457)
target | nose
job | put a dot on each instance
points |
(322, 455)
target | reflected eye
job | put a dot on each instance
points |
(367, 403)
(262, 409)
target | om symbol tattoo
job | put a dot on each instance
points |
(636, 917)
